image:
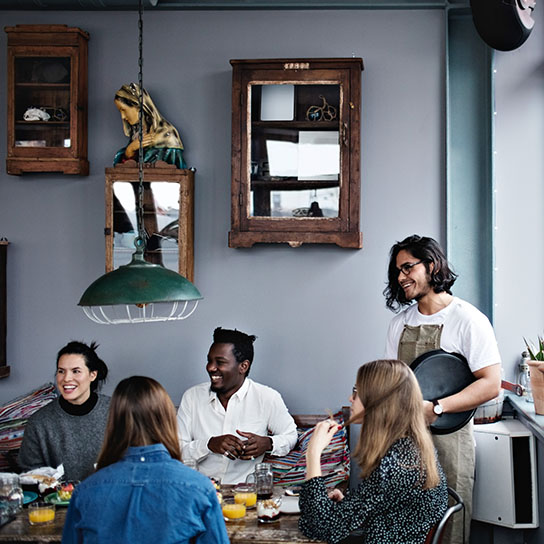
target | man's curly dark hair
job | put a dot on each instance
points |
(242, 343)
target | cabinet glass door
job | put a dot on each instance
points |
(295, 150)
(42, 102)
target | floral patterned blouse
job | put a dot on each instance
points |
(389, 506)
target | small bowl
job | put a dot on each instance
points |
(41, 513)
(65, 489)
(232, 511)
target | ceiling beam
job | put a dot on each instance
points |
(106, 5)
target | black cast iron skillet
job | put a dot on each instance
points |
(441, 374)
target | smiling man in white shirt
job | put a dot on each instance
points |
(227, 424)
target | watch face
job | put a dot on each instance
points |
(437, 409)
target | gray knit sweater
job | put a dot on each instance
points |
(53, 436)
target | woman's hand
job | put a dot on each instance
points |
(335, 495)
(321, 438)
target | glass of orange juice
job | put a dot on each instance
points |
(233, 511)
(41, 513)
(245, 494)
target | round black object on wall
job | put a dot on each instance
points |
(503, 24)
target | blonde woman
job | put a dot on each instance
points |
(403, 491)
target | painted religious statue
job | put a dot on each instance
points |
(160, 141)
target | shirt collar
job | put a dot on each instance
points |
(138, 451)
(241, 393)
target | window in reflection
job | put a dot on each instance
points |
(161, 222)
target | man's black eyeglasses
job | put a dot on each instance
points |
(406, 268)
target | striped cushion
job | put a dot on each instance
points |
(290, 469)
(13, 418)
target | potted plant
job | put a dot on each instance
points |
(536, 370)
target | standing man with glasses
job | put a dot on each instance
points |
(419, 271)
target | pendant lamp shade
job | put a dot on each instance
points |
(139, 292)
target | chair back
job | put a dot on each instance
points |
(437, 532)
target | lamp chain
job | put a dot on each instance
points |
(141, 230)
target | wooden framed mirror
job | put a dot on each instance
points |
(168, 215)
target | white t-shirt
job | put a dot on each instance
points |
(466, 331)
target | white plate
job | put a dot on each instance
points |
(289, 505)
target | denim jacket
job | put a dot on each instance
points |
(146, 497)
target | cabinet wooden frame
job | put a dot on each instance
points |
(4, 368)
(156, 172)
(343, 230)
(47, 43)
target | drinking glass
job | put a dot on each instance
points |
(41, 513)
(245, 494)
(263, 479)
(232, 511)
(268, 511)
(11, 493)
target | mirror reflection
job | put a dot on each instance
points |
(160, 218)
(295, 150)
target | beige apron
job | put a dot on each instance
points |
(455, 450)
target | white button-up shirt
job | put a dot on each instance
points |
(254, 408)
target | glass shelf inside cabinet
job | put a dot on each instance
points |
(42, 102)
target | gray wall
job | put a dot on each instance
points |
(318, 311)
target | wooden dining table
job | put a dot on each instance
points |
(246, 531)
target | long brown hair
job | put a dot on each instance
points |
(441, 276)
(393, 409)
(141, 413)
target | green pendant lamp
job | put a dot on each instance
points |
(140, 292)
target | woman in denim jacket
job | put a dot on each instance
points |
(141, 491)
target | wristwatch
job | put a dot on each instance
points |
(437, 408)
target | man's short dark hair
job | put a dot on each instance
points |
(242, 343)
(428, 251)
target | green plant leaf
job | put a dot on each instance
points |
(533, 354)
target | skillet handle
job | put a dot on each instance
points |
(514, 387)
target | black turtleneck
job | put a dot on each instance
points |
(79, 409)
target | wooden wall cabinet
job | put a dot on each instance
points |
(296, 128)
(47, 73)
(168, 215)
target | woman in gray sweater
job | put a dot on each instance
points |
(70, 430)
